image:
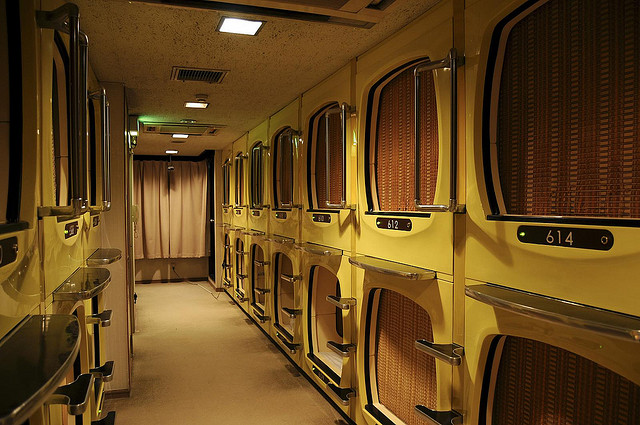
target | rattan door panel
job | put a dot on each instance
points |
(258, 219)
(564, 130)
(532, 371)
(386, 158)
(240, 164)
(395, 376)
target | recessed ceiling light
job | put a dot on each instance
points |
(180, 136)
(196, 105)
(133, 133)
(239, 26)
(188, 121)
(171, 151)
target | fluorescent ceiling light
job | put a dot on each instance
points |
(180, 136)
(196, 105)
(133, 133)
(239, 26)
(171, 151)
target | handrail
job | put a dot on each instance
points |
(450, 353)
(252, 232)
(342, 110)
(290, 278)
(292, 134)
(452, 62)
(392, 268)
(257, 165)
(239, 173)
(106, 147)
(66, 19)
(553, 310)
(341, 303)
(446, 417)
(315, 249)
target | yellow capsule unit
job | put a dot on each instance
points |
(550, 228)
(395, 222)
(260, 286)
(227, 185)
(285, 172)
(404, 242)
(259, 195)
(287, 296)
(240, 201)
(328, 324)
(328, 202)
(20, 274)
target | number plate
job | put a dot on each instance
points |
(403, 224)
(322, 218)
(238, 212)
(96, 220)
(281, 215)
(71, 229)
(570, 237)
(255, 213)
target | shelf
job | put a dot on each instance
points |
(104, 256)
(391, 268)
(558, 311)
(84, 284)
(316, 249)
(35, 358)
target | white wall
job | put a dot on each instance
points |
(114, 235)
(160, 269)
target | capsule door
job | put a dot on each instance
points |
(407, 179)
(19, 169)
(259, 178)
(261, 288)
(287, 304)
(240, 184)
(329, 316)
(285, 172)
(227, 184)
(328, 162)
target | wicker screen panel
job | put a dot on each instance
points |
(336, 160)
(227, 258)
(395, 142)
(568, 132)
(405, 376)
(285, 161)
(539, 384)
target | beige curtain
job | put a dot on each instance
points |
(153, 224)
(172, 209)
(188, 209)
(137, 202)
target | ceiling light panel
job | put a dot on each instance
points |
(240, 26)
(180, 136)
(196, 105)
(171, 151)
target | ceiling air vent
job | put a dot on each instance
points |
(190, 129)
(181, 73)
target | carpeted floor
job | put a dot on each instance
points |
(199, 361)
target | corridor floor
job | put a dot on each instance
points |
(199, 360)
